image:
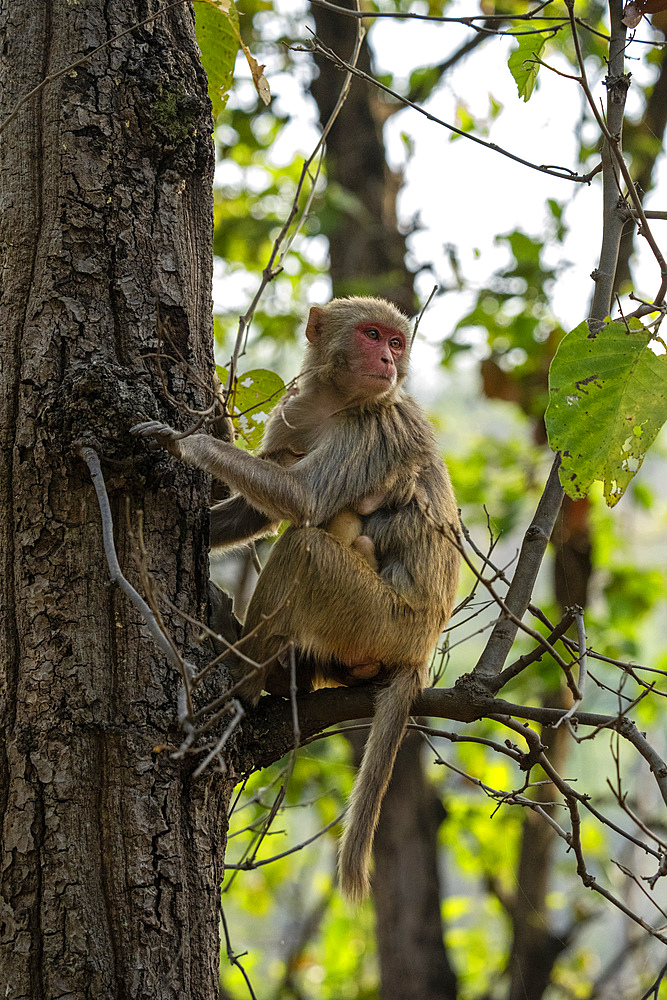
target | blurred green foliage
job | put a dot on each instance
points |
(301, 939)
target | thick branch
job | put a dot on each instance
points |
(612, 216)
(519, 594)
(269, 734)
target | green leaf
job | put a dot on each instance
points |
(219, 44)
(608, 400)
(464, 120)
(523, 63)
(423, 82)
(255, 394)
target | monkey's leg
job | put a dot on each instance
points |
(321, 596)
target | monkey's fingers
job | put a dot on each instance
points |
(154, 428)
(163, 436)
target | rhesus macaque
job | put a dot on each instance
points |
(363, 580)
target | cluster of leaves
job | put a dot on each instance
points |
(607, 403)
(219, 38)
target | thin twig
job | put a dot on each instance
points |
(274, 265)
(232, 957)
(524, 661)
(602, 302)
(234, 723)
(90, 457)
(469, 22)
(564, 173)
(581, 681)
(421, 313)
(250, 865)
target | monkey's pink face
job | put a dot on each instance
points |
(375, 355)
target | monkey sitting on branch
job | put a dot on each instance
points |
(363, 580)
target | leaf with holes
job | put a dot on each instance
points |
(607, 402)
(255, 394)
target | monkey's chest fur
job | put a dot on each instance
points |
(389, 452)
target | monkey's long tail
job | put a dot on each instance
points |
(392, 710)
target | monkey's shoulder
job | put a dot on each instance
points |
(294, 428)
(399, 425)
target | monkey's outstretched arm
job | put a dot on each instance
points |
(271, 489)
(332, 477)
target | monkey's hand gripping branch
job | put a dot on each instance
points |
(165, 436)
(273, 490)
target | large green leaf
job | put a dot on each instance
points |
(255, 394)
(219, 43)
(608, 400)
(523, 64)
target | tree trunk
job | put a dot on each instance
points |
(535, 946)
(413, 960)
(367, 251)
(111, 853)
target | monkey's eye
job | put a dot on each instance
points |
(372, 333)
(396, 343)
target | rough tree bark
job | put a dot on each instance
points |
(110, 853)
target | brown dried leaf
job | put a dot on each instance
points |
(258, 78)
(635, 10)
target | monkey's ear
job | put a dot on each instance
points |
(314, 325)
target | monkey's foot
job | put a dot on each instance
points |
(364, 671)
